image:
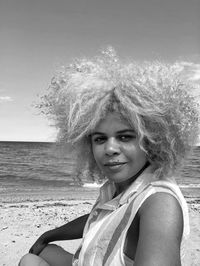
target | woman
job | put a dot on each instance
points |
(132, 124)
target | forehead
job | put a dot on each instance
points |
(114, 122)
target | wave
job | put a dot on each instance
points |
(92, 185)
(189, 185)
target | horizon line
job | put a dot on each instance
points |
(52, 141)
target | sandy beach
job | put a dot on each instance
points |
(23, 221)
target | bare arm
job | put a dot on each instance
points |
(71, 230)
(161, 228)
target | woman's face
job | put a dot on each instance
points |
(116, 149)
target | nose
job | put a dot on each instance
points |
(112, 147)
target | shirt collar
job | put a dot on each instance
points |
(107, 191)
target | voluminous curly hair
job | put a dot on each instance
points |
(152, 97)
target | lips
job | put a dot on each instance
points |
(114, 166)
(114, 163)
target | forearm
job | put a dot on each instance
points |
(71, 230)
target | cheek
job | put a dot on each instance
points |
(129, 150)
(133, 152)
(97, 153)
(142, 157)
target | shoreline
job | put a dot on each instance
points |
(37, 194)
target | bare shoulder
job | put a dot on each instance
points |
(163, 209)
(162, 212)
(161, 228)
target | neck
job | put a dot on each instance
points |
(120, 187)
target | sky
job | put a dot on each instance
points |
(38, 37)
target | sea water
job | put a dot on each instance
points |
(48, 164)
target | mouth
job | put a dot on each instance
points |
(114, 165)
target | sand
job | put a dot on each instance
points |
(21, 223)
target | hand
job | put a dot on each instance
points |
(38, 246)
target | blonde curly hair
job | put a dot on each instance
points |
(152, 97)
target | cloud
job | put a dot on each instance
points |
(5, 99)
(190, 71)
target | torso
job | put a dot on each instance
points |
(112, 231)
(130, 245)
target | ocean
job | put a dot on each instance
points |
(38, 165)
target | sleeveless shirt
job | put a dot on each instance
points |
(108, 223)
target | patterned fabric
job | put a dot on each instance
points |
(105, 231)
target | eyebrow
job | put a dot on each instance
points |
(118, 132)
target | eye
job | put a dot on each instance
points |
(126, 138)
(99, 140)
